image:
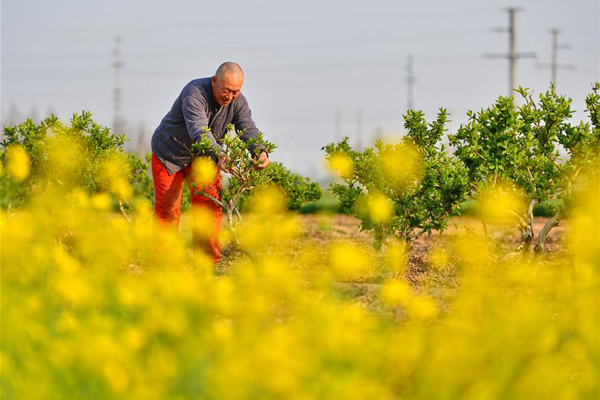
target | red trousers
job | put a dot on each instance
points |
(206, 214)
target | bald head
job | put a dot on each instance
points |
(228, 68)
(227, 83)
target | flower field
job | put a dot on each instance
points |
(96, 307)
(396, 299)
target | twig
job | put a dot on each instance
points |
(123, 212)
(217, 201)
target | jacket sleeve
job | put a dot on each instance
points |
(242, 120)
(196, 119)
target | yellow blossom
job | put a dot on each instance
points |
(502, 205)
(204, 170)
(113, 176)
(395, 292)
(268, 202)
(401, 164)
(341, 164)
(101, 201)
(116, 376)
(203, 227)
(439, 258)
(18, 163)
(422, 308)
(395, 256)
(381, 208)
(349, 261)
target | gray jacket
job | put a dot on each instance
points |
(193, 110)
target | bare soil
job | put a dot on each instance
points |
(320, 231)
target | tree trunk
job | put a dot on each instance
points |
(527, 234)
(484, 224)
(541, 239)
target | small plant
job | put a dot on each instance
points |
(404, 189)
(62, 157)
(240, 161)
(519, 149)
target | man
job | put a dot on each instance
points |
(203, 103)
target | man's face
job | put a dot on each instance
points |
(227, 89)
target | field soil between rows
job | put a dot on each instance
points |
(318, 232)
(325, 229)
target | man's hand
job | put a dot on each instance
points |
(264, 161)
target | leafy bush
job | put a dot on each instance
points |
(515, 152)
(82, 154)
(240, 161)
(400, 190)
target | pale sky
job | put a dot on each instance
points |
(303, 60)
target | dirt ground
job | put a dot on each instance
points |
(324, 229)
(320, 231)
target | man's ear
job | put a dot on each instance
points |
(214, 80)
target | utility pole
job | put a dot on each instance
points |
(359, 129)
(142, 143)
(410, 80)
(512, 55)
(554, 66)
(338, 125)
(118, 66)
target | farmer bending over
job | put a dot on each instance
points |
(203, 103)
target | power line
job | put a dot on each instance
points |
(512, 55)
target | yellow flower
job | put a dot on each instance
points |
(18, 163)
(75, 289)
(204, 170)
(395, 257)
(204, 226)
(113, 176)
(116, 376)
(402, 164)
(439, 258)
(122, 189)
(101, 202)
(341, 164)
(501, 205)
(423, 309)
(348, 261)
(396, 293)
(380, 207)
(268, 202)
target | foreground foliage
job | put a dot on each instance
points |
(94, 307)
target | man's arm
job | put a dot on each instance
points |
(196, 120)
(242, 120)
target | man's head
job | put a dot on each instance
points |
(227, 83)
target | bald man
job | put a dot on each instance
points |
(211, 103)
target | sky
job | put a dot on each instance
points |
(305, 62)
